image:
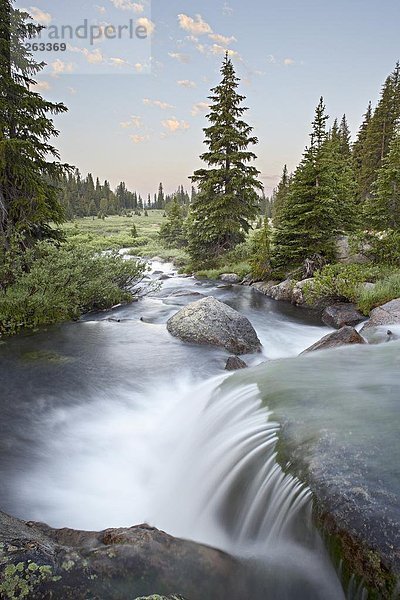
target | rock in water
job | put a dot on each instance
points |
(230, 278)
(113, 564)
(388, 314)
(209, 321)
(342, 337)
(234, 363)
(341, 314)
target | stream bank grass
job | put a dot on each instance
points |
(140, 234)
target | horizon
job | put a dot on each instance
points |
(139, 115)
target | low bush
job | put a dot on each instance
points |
(385, 290)
(61, 283)
(338, 282)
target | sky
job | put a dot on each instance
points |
(138, 104)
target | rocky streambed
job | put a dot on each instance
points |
(106, 423)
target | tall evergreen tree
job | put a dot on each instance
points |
(376, 134)
(309, 219)
(279, 196)
(384, 206)
(29, 164)
(227, 200)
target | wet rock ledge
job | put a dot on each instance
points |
(38, 562)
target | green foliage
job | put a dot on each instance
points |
(385, 290)
(382, 248)
(172, 232)
(62, 283)
(279, 197)
(383, 207)
(311, 215)
(338, 282)
(28, 162)
(261, 252)
(227, 201)
(242, 269)
(376, 135)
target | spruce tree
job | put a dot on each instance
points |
(29, 164)
(172, 231)
(279, 196)
(261, 252)
(226, 204)
(376, 134)
(384, 206)
(310, 217)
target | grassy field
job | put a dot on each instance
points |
(115, 232)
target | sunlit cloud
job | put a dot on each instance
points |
(59, 67)
(173, 125)
(222, 40)
(186, 83)
(157, 103)
(41, 86)
(199, 107)
(196, 26)
(147, 24)
(136, 7)
(44, 18)
(139, 139)
(135, 122)
(289, 62)
(183, 58)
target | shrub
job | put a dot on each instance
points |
(62, 283)
(385, 290)
(340, 282)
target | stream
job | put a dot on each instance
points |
(110, 422)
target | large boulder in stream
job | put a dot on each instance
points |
(39, 562)
(387, 314)
(343, 337)
(212, 322)
(341, 314)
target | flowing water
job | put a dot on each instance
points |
(112, 422)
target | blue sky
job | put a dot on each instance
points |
(137, 107)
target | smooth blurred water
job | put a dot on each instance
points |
(112, 422)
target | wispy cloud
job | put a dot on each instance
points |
(59, 67)
(39, 15)
(196, 26)
(135, 122)
(41, 86)
(179, 56)
(222, 40)
(94, 57)
(173, 125)
(139, 139)
(288, 62)
(199, 107)
(218, 50)
(186, 83)
(157, 103)
(147, 24)
(136, 7)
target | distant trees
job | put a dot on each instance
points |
(227, 199)
(29, 163)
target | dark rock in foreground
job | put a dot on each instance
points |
(114, 564)
(341, 314)
(212, 322)
(342, 337)
(234, 363)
